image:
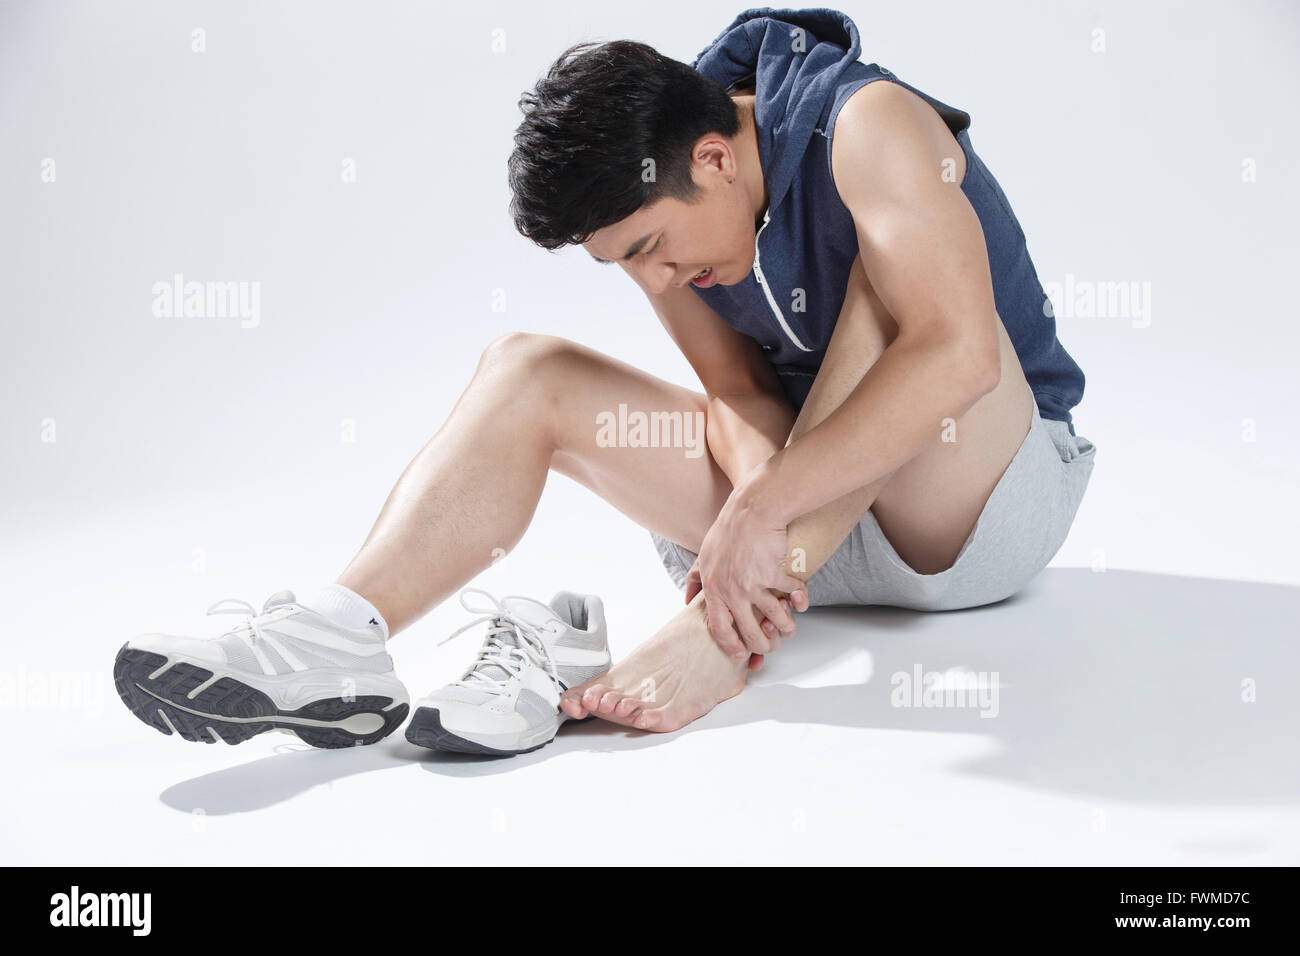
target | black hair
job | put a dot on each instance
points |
(590, 124)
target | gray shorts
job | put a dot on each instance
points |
(1023, 525)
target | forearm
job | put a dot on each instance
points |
(744, 430)
(898, 406)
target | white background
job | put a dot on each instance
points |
(195, 459)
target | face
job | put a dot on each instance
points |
(672, 241)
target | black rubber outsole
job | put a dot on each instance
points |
(426, 730)
(226, 709)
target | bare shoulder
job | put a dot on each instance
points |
(883, 133)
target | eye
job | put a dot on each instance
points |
(658, 242)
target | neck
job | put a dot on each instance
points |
(751, 164)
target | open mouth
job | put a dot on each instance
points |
(704, 278)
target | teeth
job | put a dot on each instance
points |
(701, 275)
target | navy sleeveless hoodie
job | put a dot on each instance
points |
(802, 65)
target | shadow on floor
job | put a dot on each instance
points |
(1120, 684)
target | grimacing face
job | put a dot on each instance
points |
(669, 242)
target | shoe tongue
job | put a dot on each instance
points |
(527, 610)
(279, 597)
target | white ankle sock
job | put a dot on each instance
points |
(345, 607)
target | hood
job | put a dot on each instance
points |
(793, 59)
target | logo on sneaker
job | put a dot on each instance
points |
(373, 621)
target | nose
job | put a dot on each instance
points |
(659, 276)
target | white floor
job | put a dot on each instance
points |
(1119, 732)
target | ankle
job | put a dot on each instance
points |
(345, 607)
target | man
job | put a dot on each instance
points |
(887, 404)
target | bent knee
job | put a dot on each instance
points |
(523, 349)
(528, 358)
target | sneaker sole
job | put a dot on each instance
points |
(226, 709)
(426, 730)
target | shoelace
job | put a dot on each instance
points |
(247, 629)
(510, 658)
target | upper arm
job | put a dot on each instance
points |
(726, 361)
(920, 241)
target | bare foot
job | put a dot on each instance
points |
(677, 675)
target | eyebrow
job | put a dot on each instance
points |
(632, 250)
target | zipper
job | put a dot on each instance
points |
(767, 291)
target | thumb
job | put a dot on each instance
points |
(693, 585)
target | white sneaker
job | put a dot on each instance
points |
(287, 668)
(508, 702)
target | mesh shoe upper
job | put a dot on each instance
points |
(531, 654)
(283, 638)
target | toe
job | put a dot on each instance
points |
(627, 707)
(609, 700)
(591, 697)
(662, 720)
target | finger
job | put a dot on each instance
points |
(716, 616)
(751, 633)
(790, 584)
(718, 620)
(755, 661)
(693, 586)
(776, 615)
(773, 639)
(798, 591)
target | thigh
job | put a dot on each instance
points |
(928, 507)
(863, 330)
(635, 440)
